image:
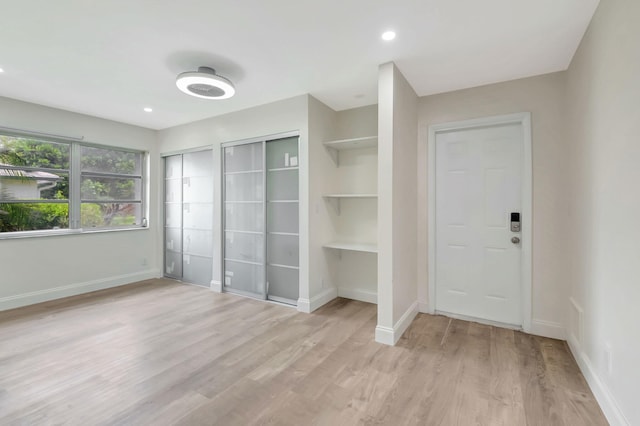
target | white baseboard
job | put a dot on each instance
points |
(216, 286)
(358, 294)
(310, 305)
(385, 335)
(390, 336)
(40, 296)
(550, 329)
(600, 390)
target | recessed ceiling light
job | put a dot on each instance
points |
(388, 35)
(205, 84)
(1, 70)
(147, 109)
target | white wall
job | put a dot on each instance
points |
(543, 96)
(397, 204)
(44, 268)
(278, 117)
(405, 195)
(604, 128)
(322, 270)
(357, 122)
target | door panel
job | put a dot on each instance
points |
(283, 283)
(282, 217)
(244, 206)
(478, 185)
(283, 249)
(197, 242)
(242, 246)
(244, 187)
(189, 217)
(283, 256)
(261, 249)
(245, 278)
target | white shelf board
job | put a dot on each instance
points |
(368, 248)
(353, 143)
(350, 195)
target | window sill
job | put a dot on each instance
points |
(62, 232)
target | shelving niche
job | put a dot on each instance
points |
(354, 206)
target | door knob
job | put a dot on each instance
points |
(515, 240)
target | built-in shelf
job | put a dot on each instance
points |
(353, 143)
(367, 248)
(337, 197)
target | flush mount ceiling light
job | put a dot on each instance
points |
(205, 84)
(388, 35)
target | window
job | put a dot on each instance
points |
(111, 187)
(48, 185)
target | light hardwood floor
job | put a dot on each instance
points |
(161, 352)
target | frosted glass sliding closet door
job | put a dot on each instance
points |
(244, 211)
(189, 217)
(260, 198)
(282, 220)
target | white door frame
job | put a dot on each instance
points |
(527, 194)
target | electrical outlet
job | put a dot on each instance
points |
(608, 358)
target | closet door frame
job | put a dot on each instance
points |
(264, 140)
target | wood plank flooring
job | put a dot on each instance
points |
(160, 352)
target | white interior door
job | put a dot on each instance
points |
(478, 186)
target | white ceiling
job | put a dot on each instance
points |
(111, 58)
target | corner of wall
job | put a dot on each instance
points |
(601, 391)
(391, 335)
(324, 297)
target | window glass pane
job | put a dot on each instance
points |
(102, 215)
(28, 152)
(106, 188)
(34, 170)
(33, 185)
(15, 217)
(103, 160)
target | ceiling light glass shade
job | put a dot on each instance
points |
(205, 84)
(388, 35)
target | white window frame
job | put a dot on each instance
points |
(75, 196)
